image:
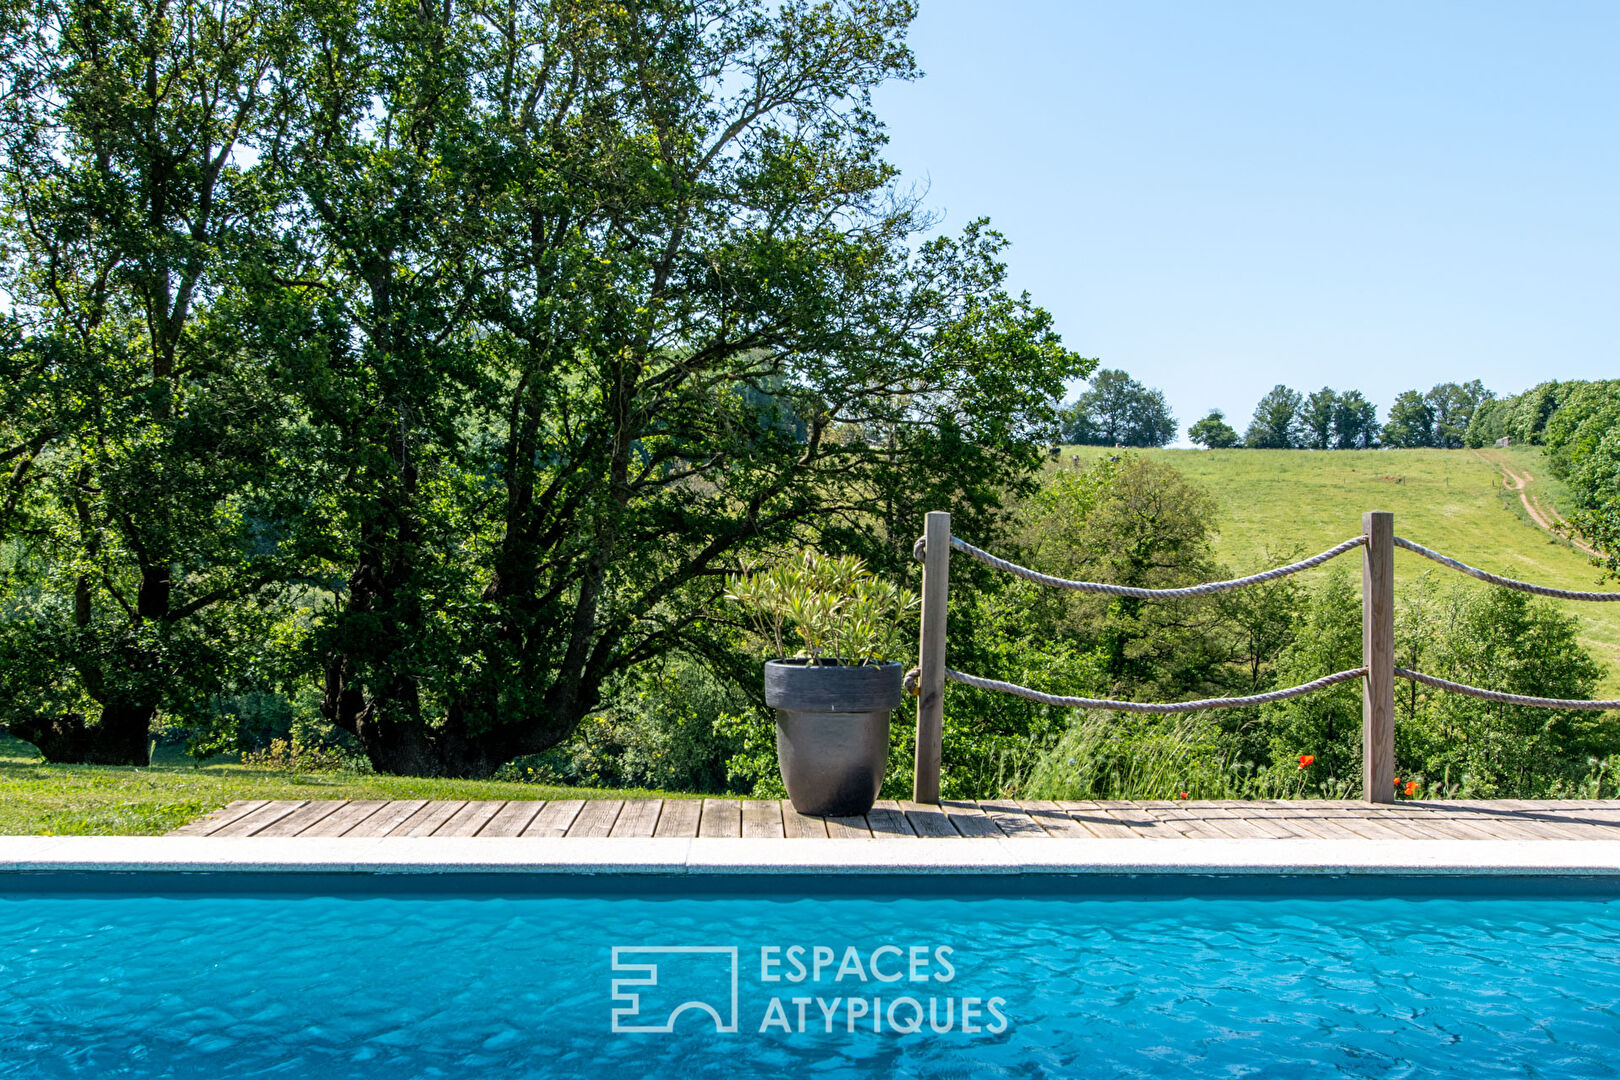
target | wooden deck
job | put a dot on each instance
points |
(768, 819)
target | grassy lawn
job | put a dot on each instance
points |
(44, 800)
(1278, 502)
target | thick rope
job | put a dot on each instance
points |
(1024, 572)
(1506, 699)
(1494, 579)
(1139, 707)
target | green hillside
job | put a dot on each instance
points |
(1276, 504)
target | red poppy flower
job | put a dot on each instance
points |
(1307, 760)
(1183, 794)
(1411, 788)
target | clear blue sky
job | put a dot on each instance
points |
(1221, 196)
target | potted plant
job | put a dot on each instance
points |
(833, 695)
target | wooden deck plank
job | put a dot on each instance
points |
(799, 826)
(387, 818)
(554, 818)
(1363, 822)
(679, 817)
(596, 818)
(1543, 824)
(513, 818)
(220, 818)
(1320, 819)
(305, 817)
(762, 818)
(343, 820)
(888, 821)
(1011, 819)
(471, 818)
(848, 828)
(1481, 825)
(1184, 823)
(427, 819)
(1259, 823)
(969, 819)
(1054, 819)
(1139, 821)
(928, 820)
(1101, 822)
(260, 819)
(638, 818)
(721, 817)
(1307, 817)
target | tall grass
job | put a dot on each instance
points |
(1104, 757)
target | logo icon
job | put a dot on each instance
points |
(707, 971)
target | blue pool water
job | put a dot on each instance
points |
(1070, 978)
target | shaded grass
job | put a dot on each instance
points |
(1277, 503)
(40, 799)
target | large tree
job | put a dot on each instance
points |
(139, 433)
(1274, 426)
(1315, 420)
(1117, 410)
(1213, 432)
(608, 300)
(1454, 406)
(1355, 422)
(1411, 422)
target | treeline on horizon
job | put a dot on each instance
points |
(1578, 422)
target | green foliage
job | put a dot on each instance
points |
(1508, 641)
(1110, 756)
(1454, 407)
(1213, 432)
(673, 725)
(1128, 521)
(1276, 420)
(1579, 424)
(1442, 418)
(840, 611)
(1314, 424)
(1355, 422)
(447, 363)
(144, 441)
(1411, 422)
(1326, 724)
(1118, 411)
(1494, 638)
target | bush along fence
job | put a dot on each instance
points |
(1377, 673)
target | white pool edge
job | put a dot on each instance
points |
(716, 856)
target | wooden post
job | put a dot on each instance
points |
(931, 658)
(1378, 653)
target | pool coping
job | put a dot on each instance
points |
(742, 856)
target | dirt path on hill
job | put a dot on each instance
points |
(1549, 519)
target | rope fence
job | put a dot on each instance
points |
(1499, 696)
(1208, 589)
(1505, 582)
(1143, 707)
(1377, 672)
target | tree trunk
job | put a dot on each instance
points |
(120, 737)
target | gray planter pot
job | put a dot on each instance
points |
(832, 732)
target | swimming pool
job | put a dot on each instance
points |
(363, 976)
